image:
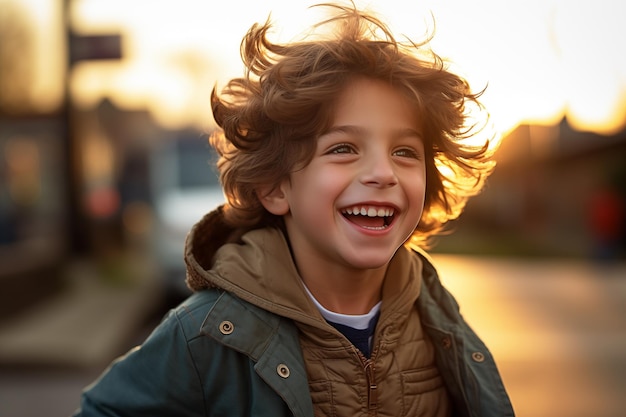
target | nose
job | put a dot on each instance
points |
(378, 171)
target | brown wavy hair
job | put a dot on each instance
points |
(271, 117)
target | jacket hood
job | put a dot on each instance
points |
(257, 266)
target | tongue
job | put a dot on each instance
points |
(366, 221)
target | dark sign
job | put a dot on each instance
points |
(95, 47)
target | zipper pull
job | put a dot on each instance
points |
(372, 396)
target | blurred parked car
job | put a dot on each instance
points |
(185, 187)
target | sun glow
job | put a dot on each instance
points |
(540, 60)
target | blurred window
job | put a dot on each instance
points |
(196, 162)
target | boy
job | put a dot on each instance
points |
(311, 295)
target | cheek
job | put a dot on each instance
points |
(326, 181)
(314, 194)
(416, 189)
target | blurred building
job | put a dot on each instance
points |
(555, 192)
(33, 187)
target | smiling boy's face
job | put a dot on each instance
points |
(362, 194)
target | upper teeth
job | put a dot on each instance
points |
(369, 211)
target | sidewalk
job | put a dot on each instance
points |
(85, 325)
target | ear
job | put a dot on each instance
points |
(274, 199)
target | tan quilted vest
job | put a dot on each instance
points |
(400, 378)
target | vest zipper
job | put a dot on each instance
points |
(372, 394)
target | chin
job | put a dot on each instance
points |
(365, 261)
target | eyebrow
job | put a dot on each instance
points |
(359, 131)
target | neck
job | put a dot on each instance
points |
(346, 292)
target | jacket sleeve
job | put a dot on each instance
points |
(157, 379)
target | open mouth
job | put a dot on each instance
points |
(369, 217)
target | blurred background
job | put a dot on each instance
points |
(104, 167)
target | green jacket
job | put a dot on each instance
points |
(220, 355)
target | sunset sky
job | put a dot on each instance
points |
(540, 59)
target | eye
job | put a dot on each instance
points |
(342, 148)
(408, 153)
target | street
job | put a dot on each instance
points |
(556, 328)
